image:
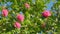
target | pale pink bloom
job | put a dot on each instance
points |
(20, 17)
(27, 5)
(17, 25)
(5, 12)
(46, 13)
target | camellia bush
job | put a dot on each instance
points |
(29, 17)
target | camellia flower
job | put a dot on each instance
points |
(27, 5)
(5, 12)
(46, 13)
(20, 17)
(17, 25)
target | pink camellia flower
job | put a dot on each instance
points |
(20, 17)
(5, 12)
(27, 5)
(46, 13)
(17, 25)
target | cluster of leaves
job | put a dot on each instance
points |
(33, 18)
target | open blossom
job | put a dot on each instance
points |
(20, 17)
(46, 13)
(5, 12)
(27, 5)
(17, 25)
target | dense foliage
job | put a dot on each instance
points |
(29, 17)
